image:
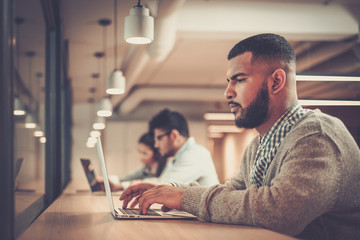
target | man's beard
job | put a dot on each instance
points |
(256, 113)
(169, 153)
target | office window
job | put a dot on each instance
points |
(29, 109)
(35, 99)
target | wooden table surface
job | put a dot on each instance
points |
(86, 216)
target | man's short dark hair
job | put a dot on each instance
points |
(168, 120)
(265, 47)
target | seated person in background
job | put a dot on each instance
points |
(301, 174)
(154, 164)
(191, 161)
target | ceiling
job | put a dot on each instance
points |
(186, 63)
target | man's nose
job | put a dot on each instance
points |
(229, 92)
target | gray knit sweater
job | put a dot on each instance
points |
(311, 188)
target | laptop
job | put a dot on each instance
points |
(90, 174)
(131, 213)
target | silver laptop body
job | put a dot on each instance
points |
(133, 213)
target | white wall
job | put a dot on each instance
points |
(83, 115)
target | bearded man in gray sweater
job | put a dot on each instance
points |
(301, 174)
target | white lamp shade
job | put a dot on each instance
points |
(91, 142)
(115, 83)
(38, 132)
(95, 133)
(139, 26)
(104, 108)
(19, 108)
(99, 123)
(99, 126)
(30, 121)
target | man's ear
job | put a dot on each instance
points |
(278, 81)
(174, 134)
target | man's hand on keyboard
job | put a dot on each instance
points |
(147, 194)
(134, 191)
(168, 196)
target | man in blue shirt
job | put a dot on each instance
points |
(191, 161)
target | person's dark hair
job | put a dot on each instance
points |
(148, 140)
(168, 120)
(266, 47)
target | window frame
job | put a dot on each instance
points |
(57, 118)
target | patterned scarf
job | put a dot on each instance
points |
(271, 141)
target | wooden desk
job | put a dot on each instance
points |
(87, 216)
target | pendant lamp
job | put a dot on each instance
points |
(38, 132)
(19, 107)
(30, 119)
(42, 139)
(95, 133)
(105, 105)
(104, 108)
(91, 142)
(115, 83)
(139, 25)
(99, 123)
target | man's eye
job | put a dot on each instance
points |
(240, 79)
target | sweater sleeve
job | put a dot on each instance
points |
(306, 186)
(238, 181)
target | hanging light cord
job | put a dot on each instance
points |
(104, 60)
(18, 22)
(17, 88)
(115, 36)
(100, 75)
(18, 48)
(37, 90)
(30, 74)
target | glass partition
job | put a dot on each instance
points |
(29, 110)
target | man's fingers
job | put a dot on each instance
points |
(147, 199)
(127, 196)
(132, 192)
(146, 204)
(125, 200)
(127, 193)
(125, 203)
(128, 199)
(135, 202)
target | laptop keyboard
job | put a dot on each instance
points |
(131, 211)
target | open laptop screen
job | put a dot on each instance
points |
(90, 174)
(105, 176)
